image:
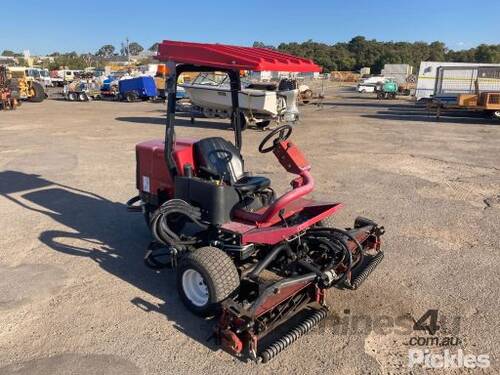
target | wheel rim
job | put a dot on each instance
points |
(194, 287)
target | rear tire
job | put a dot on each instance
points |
(38, 93)
(83, 97)
(205, 278)
(72, 96)
(130, 97)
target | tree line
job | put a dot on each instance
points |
(74, 60)
(360, 52)
(353, 55)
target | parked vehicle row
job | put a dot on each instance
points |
(130, 89)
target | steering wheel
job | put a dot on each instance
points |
(283, 133)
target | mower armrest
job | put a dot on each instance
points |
(285, 199)
(265, 218)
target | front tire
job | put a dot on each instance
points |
(205, 278)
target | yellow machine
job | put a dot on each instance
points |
(28, 88)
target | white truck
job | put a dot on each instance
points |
(40, 75)
(63, 76)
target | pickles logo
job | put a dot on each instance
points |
(432, 358)
(428, 359)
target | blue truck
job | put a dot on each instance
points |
(138, 88)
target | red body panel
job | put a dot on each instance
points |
(151, 164)
(270, 235)
(291, 158)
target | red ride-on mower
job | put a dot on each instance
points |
(241, 253)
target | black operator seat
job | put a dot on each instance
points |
(220, 159)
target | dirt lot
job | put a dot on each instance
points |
(75, 297)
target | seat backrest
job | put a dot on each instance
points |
(219, 158)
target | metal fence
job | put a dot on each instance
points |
(464, 80)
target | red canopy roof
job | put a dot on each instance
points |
(233, 57)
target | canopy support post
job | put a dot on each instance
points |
(171, 88)
(234, 77)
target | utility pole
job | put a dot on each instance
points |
(128, 51)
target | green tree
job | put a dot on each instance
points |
(154, 47)
(360, 52)
(135, 48)
(8, 53)
(105, 51)
(70, 60)
(437, 51)
(262, 45)
(487, 53)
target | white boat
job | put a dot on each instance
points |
(219, 98)
(210, 93)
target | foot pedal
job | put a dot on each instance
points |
(362, 271)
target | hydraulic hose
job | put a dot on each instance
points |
(256, 271)
(160, 222)
(339, 243)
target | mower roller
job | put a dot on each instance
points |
(255, 261)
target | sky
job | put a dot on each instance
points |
(43, 27)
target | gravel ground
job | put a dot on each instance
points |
(75, 297)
